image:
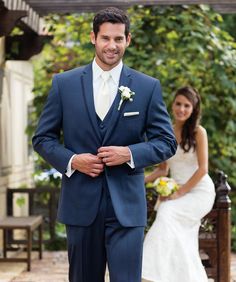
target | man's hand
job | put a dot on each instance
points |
(114, 155)
(87, 163)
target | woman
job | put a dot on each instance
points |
(171, 246)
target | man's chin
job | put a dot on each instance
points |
(112, 63)
(112, 60)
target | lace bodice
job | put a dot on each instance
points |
(183, 165)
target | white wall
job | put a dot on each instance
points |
(2, 191)
(16, 161)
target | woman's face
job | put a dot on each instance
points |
(182, 108)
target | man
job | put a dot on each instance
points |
(109, 136)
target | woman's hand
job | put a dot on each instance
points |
(163, 198)
(176, 195)
(181, 192)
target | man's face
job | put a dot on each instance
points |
(110, 45)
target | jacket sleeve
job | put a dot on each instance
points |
(46, 141)
(161, 143)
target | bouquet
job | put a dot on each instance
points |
(165, 186)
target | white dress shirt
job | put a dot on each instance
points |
(113, 88)
(113, 82)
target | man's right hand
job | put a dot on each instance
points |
(88, 164)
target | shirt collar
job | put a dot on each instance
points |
(115, 72)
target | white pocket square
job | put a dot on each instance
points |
(129, 114)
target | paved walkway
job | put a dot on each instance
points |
(53, 268)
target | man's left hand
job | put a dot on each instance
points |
(114, 155)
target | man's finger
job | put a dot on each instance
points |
(106, 149)
(103, 149)
(94, 171)
(93, 174)
(102, 155)
(96, 159)
(99, 165)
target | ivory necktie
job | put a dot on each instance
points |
(103, 99)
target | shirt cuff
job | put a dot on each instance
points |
(69, 169)
(131, 162)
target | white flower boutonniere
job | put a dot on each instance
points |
(125, 94)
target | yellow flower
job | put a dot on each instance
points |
(162, 182)
(165, 186)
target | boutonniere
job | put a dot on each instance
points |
(125, 94)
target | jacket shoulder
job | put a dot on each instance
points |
(72, 73)
(141, 76)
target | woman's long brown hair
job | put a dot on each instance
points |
(188, 134)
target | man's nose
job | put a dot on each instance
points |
(112, 44)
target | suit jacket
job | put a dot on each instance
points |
(70, 109)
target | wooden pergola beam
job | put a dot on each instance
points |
(32, 18)
(225, 9)
(14, 12)
(125, 2)
(18, 13)
(25, 46)
(72, 6)
(9, 19)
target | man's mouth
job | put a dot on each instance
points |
(111, 55)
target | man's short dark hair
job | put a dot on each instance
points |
(111, 15)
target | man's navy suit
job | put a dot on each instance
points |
(145, 128)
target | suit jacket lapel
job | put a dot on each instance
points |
(87, 86)
(125, 80)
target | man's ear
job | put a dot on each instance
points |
(128, 40)
(92, 37)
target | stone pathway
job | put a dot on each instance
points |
(53, 268)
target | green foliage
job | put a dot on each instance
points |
(229, 24)
(58, 243)
(20, 201)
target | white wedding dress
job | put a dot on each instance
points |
(170, 251)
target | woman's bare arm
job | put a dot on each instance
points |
(161, 170)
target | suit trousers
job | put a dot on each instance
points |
(105, 241)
